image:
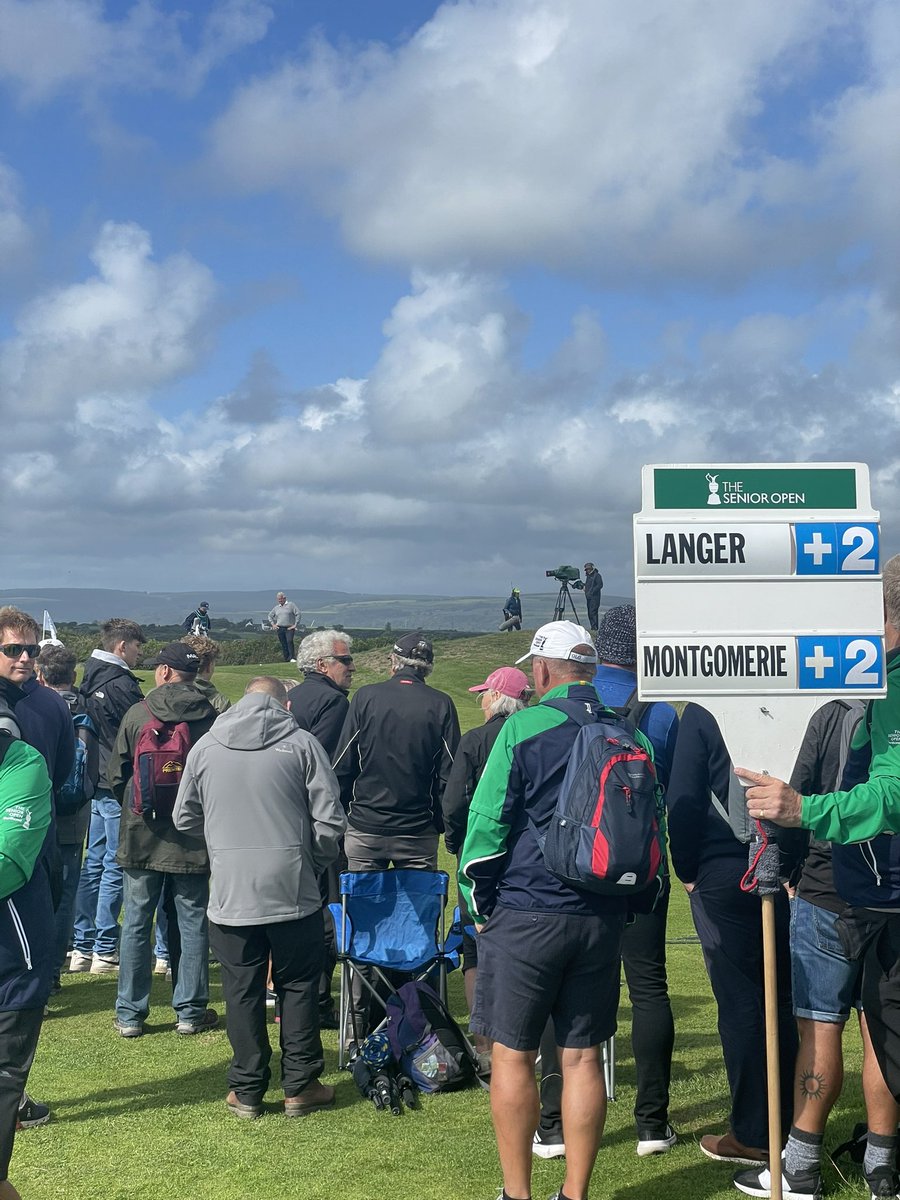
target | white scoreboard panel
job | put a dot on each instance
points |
(760, 581)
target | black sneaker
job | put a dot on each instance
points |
(656, 1143)
(884, 1183)
(805, 1185)
(31, 1113)
(548, 1143)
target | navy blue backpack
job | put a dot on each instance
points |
(81, 783)
(426, 1041)
(605, 835)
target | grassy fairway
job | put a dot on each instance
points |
(145, 1118)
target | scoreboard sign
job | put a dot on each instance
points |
(758, 594)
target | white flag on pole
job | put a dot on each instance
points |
(48, 633)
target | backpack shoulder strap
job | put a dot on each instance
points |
(575, 709)
(152, 718)
(735, 816)
(633, 709)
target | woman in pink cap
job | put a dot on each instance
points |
(504, 692)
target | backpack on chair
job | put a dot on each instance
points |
(426, 1041)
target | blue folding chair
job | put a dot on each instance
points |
(391, 921)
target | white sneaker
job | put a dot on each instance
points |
(79, 963)
(105, 964)
(161, 966)
(650, 1144)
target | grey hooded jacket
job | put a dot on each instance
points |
(263, 795)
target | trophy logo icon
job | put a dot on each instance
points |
(713, 497)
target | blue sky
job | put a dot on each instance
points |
(401, 296)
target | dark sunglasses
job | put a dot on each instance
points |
(17, 649)
(346, 659)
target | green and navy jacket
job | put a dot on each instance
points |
(501, 862)
(860, 812)
(867, 873)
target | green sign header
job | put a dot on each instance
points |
(737, 488)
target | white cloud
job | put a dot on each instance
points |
(627, 141)
(131, 327)
(399, 482)
(450, 354)
(50, 46)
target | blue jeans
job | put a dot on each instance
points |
(825, 983)
(161, 945)
(70, 860)
(98, 901)
(142, 894)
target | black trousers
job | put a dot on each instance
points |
(298, 952)
(286, 637)
(729, 925)
(881, 999)
(19, 1032)
(652, 1027)
(330, 891)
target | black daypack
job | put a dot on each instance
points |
(604, 835)
(426, 1041)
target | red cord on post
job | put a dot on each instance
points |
(749, 880)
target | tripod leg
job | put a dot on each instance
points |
(572, 606)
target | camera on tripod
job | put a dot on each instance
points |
(566, 576)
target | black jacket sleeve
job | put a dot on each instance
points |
(449, 742)
(329, 723)
(346, 761)
(696, 768)
(457, 797)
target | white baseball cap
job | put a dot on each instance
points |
(558, 639)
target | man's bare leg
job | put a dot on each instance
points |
(583, 1115)
(8, 1192)
(882, 1113)
(882, 1110)
(515, 1110)
(819, 1074)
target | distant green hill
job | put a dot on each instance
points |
(475, 614)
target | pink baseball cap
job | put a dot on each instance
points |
(509, 681)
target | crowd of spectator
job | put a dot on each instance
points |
(198, 825)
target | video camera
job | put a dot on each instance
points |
(566, 575)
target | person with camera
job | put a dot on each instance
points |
(593, 587)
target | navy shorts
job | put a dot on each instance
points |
(826, 984)
(536, 965)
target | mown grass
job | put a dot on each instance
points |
(145, 1118)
